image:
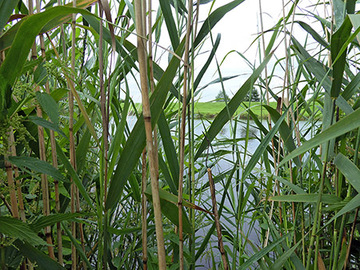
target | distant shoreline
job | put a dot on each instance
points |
(209, 110)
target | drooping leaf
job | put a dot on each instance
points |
(136, 141)
(224, 116)
(17, 229)
(338, 39)
(285, 132)
(261, 253)
(170, 23)
(29, 28)
(37, 165)
(306, 198)
(349, 170)
(344, 125)
(43, 261)
(49, 105)
(6, 8)
(46, 124)
(64, 160)
(170, 210)
(213, 19)
(50, 220)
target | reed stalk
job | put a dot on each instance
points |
(217, 220)
(44, 180)
(182, 134)
(72, 140)
(16, 174)
(144, 210)
(152, 151)
(53, 155)
(10, 177)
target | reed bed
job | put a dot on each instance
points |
(91, 180)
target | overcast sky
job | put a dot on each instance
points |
(238, 30)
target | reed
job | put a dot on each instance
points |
(159, 186)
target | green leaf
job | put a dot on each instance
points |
(283, 258)
(38, 166)
(213, 19)
(349, 170)
(46, 124)
(353, 204)
(17, 229)
(261, 148)
(285, 132)
(43, 261)
(225, 115)
(6, 8)
(170, 23)
(320, 71)
(29, 28)
(77, 246)
(170, 209)
(49, 105)
(307, 198)
(64, 160)
(50, 220)
(346, 124)
(313, 33)
(261, 253)
(136, 141)
(355, 20)
(338, 39)
(351, 88)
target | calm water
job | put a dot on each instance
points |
(225, 163)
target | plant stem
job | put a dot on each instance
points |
(141, 49)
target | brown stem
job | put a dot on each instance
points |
(54, 157)
(182, 135)
(144, 210)
(9, 172)
(72, 141)
(152, 151)
(217, 221)
(44, 180)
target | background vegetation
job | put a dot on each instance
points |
(83, 185)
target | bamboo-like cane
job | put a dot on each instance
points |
(144, 211)
(217, 221)
(72, 141)
(182, 136)
(17, 181)
(11, 184)
(54, 157)
(44, 180)
(140, 17)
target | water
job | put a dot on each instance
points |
(225, 163)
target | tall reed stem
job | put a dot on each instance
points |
(53, 154)
(152, 151)
(182, 134)
(72, 140)
(217, 220)
(44, 180)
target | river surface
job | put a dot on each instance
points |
(223, 164)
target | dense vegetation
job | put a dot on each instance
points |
(85, 185)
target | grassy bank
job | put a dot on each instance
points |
(211, 109)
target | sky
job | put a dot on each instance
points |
(238, 28)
